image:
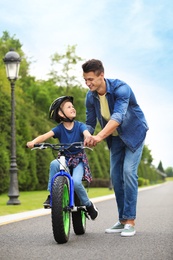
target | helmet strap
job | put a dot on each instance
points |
(66, 119)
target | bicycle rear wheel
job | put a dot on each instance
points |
(60, 212)
(79, 219)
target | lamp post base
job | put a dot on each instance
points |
(13, 200)
(13, 192)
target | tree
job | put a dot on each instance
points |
(160, 167)
(146, 155)
(169, 171)
(63, 71)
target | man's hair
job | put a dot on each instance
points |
(93, 65)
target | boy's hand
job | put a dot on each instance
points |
(30, 144)
(92, 140)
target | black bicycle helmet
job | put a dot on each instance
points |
(55, 107)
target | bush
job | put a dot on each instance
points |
(101, 183)
(141, 181)
(146, 182)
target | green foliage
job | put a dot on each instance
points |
(146, 155)
(63, 68)
(160, 167)
(143, 182)
(169, 172)
(33, 99)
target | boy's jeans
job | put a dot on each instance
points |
(124, 166)
(78, 172)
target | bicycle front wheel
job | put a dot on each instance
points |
(60, 212)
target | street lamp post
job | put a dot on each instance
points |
(12, 64)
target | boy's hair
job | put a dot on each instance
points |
(93, 65)
(63, 103)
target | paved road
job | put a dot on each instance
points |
(32, 239)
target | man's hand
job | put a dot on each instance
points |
(92, 140)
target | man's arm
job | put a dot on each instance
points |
(110, 127)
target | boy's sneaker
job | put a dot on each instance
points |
(128, 231)
(92, 211)
(46, 204)
(118, 227)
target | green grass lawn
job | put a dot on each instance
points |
(34, 200)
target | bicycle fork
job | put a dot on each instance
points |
(71, 193)
(71, 206)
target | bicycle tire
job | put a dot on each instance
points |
(78, 219)
(60, 216)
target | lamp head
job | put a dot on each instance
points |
(12, 63)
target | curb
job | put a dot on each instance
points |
(7, 219)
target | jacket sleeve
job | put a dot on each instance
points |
(121, 103)
(91, 117)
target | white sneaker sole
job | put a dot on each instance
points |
(110, 231)
(126, 234)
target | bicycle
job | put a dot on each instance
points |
(64, 202)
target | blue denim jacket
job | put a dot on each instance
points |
(123, 109)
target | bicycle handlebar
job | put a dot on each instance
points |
(60, 146)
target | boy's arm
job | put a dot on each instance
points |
(40, 139)
(86, 133)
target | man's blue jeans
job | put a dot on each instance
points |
(124, 176)
(78, 172)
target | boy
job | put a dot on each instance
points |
(69, 131)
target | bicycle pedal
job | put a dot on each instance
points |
(46, 207)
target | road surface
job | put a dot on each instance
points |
(33, 238)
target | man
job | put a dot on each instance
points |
(124, 127)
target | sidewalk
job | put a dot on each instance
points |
(42, 212)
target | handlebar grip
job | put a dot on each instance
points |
(37, 145)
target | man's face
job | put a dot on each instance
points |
(93, 81)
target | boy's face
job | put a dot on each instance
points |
(68, 110)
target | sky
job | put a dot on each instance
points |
(133, 39)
